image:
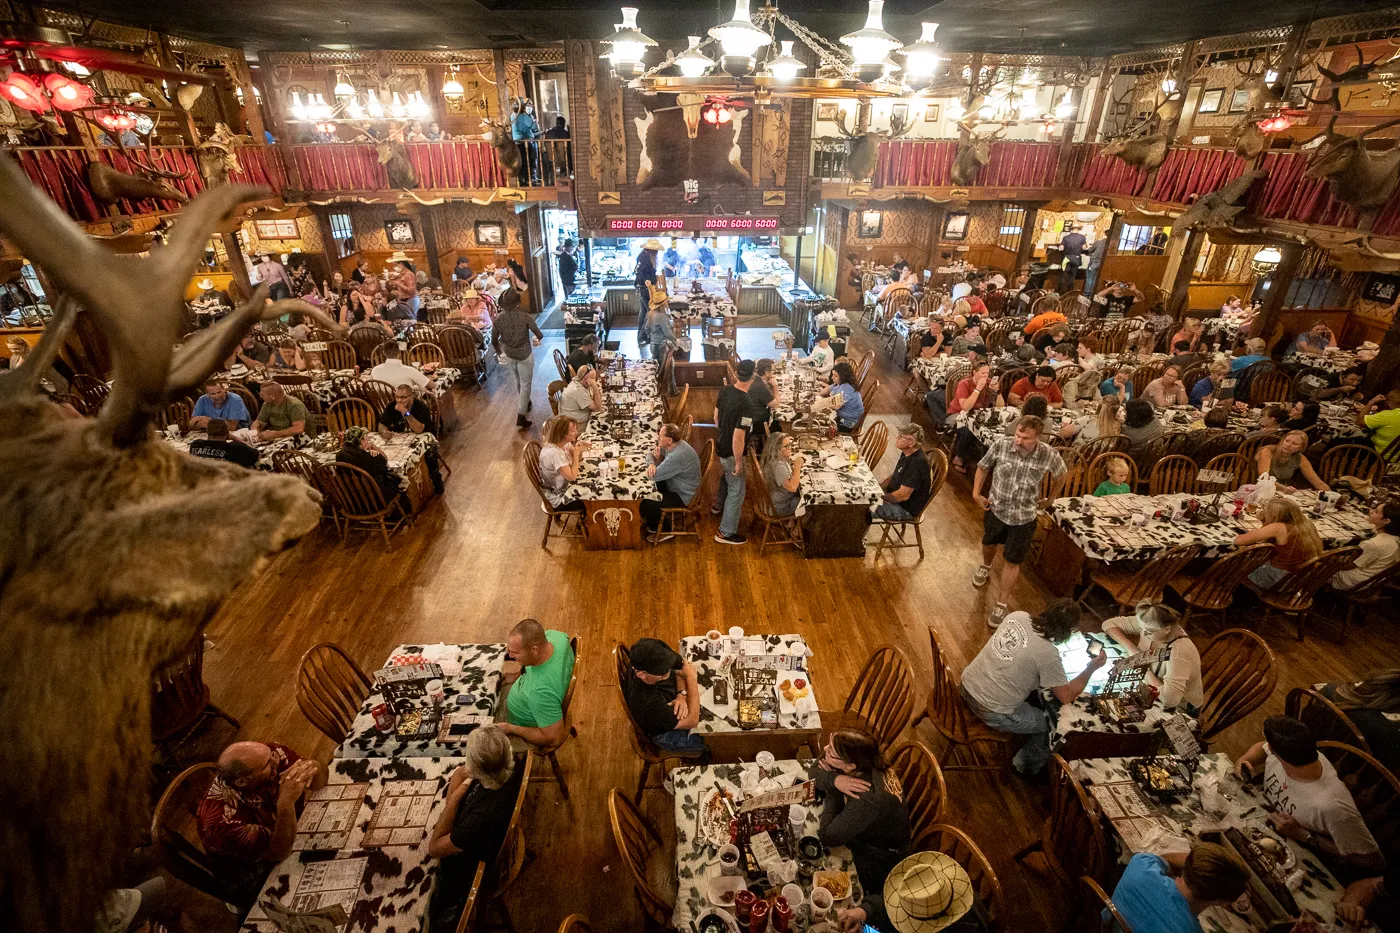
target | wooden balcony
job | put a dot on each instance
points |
(440, 167)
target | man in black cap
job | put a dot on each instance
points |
(663, 696)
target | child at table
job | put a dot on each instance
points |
(1117, 482)
(1175, 669)
(1165, 893)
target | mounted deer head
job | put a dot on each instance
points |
(1140, 145)
(394, 157)
(1360, 73)
(216, 158)
(1248, 139)
(1356, 176)
(864, 153)
(507, 152)
(121, 548)
(972, 155)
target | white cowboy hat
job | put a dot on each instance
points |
(927, 892)
(653, 243)
(399, 256)
(204, 284)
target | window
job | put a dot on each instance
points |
(1145, 241)
(31, 280)
(1013, 221)
(343, 233)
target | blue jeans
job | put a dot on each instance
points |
(524, 371)
(893, 512)
(731, 493)
(643, 306)
(680, 740)
(1025, 720)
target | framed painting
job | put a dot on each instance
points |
(931, 112)
(830, 112)
(399, 231)
(490, 233)
(1239, 100)
(899, 115)
(1211, 99)
(872, 224)
(955, 225)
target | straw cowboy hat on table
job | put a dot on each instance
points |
(927, 892)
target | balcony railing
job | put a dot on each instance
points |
(469, 164)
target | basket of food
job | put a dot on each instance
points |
(1165, 778)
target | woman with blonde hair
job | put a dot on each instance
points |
(481, 796)
(1154, 631)
(1105, 423)
(1293, 536)
(1285, 461)
(559, 460)
(782, 472)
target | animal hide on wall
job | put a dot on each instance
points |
(669, 156)
(118, 549)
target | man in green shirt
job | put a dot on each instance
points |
(535, 703)
(1384, 424)
(282, 415)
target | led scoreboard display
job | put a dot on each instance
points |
(706, 224)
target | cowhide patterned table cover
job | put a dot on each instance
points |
(714, 718)
(1334, 360)
(397, 882)
(468, 670)
(827, 482)
(697, 858)
(1140, 824)
(601, 476)
(1110, 528)
(799, 386)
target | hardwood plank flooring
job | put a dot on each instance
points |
(472, 566)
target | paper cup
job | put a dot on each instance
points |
(821, 904)
(797, 819)
(793, 893)
(729, 860)
(764, 759)
(736, 631)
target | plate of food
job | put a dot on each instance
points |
(721, 890)
(837, 882)
(716, 812)
(1159, 777)
(714, 920)
(792, 688)
(1275, 848)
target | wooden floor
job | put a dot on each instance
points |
(473, 566)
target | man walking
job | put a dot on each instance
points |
(734, 419)
(1017, 466)
(644, 280)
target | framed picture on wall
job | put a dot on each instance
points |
(1120, 108)
(1381, 288)
(829, 112)
(1211, 100)
(1239, 100)
(872, 224)
(490, 233)
(1299, 92)
(955, 225)
(899, 115)
(399, 231)
(931, 113)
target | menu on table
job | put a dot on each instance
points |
(401, 816)
(328, 817)
(1131, 812)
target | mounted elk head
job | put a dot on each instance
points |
(216, 158)
(120, 549)
(394, 157)
(972, 155)
(1248, 139)
(1360, 73)
(507, 152)
(1356, 176)
(109, 186)
(1141, 145)
(864, 154)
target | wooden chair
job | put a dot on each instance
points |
(366, 338)
(882, 699)
(176, 413)
(575, 923)
(647, 750)
(1072, 837)
(1165, 445)
(1366, 595)
(1097, 471)
(91, 390)
(180, 699)
(360, 502)
(961, 729)
(176, 843)
(464, 349)
(349, 412)
(867, 398)
(338, 354)
(1238, 676)
(1045, 303)
(249, 402)
(425, 353)
(1326, 719)
(560, 518)
(687, 425)
(1271, 386)
(466, 923)
(995, 302)
(923, 784)
(640, 845)
(554, 390)
(1144, 375)
(1103, 915)
(1235, 464)
(873, 443)
(330, 689)
(377, 392)
(1069, 304)
(1375, 790)
(1359, 460)
(551, 751)
(892, 534)
(1214, 443)
(676, 413)
(777, 529)
(311, 401)
(1293, 595)
(1249, 448)
(1127, 587)
(1089, 450)
(514, 855)
(1064, 374)
(953, 842)
(1009, 379)
(1194, 374)
(1214, 590)
(1175, 473)
(419, 333)
(867, 360)
(686, 521)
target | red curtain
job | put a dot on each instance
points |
(1111, 175)
(1020, 165)
(1189, 173)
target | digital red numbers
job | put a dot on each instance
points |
(715, 224)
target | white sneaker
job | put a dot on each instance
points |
(981, 575)
(998, 613)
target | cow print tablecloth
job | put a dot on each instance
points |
(596, 482)
(1074, 717)
(404, 451)
(1333, 361)
(798, 387)
(1105, 529)
(715, 718)
(478, 676)
(846, 484)
(397, 884)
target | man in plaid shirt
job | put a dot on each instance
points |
(1009, 520)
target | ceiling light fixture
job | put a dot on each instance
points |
(343, 88)
(628, 43)
(921, 58)
(786, 66)
(452, 88)
(740, 39)
(870, 46)
(66, 93)
(693, 63)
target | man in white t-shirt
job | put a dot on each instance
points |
(1308, 802)
(822, 358)
(583, 397)
(1020, 660)
(397, 373)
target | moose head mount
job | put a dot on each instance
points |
(1356, 176)
(216, 158)
(864, 154)
(123, 548)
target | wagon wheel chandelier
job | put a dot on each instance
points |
(748, 59)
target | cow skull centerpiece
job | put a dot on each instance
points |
(118, 549)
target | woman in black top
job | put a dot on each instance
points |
(1305, 415)
(361, 450)
(864, 810)
(481, 797)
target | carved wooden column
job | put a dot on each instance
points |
(1023, 248)
(1180, 269)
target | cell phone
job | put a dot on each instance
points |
(721, 693)
(461, 728)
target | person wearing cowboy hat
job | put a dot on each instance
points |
(644, 280)
(360, 448)
(864, 811)
(925, 893)
(405, 281)
(207, 292)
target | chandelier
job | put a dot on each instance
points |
(745, 55)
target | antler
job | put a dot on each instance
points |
(841, 124)
(137, 304)
(1335, 99)
(25, 380)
